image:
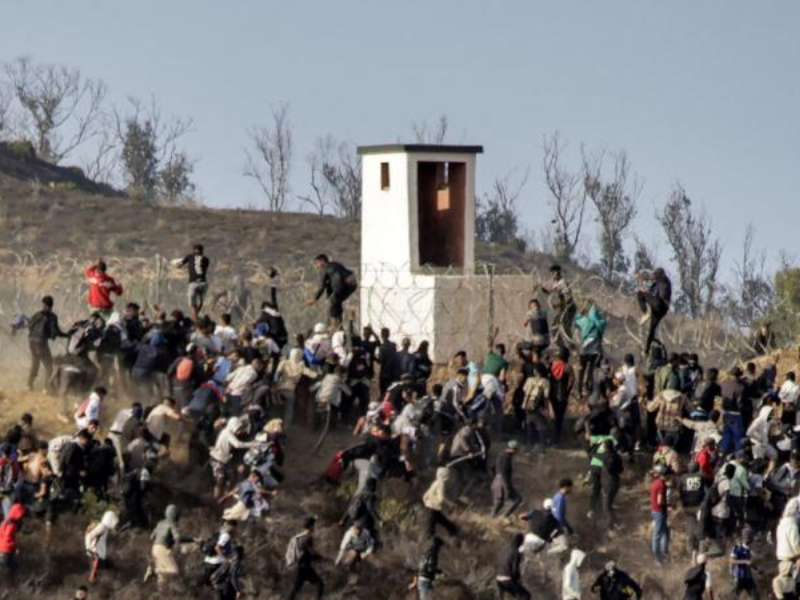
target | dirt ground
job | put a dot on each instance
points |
(52, 566)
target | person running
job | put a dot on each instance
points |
(101, 287)
(197, 265)
(227, 581)
(659, 511)
(571, 580)
(166, 537)
(302, 555)
(509, 573)
(504, 493)
(615, 584)
(435, 500)
(428, 570)
(9, 530)
(338, 283)
(697, 582)
(42, 329)
(654, 299)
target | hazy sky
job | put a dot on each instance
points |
(707, 93)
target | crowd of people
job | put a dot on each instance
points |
(721, 452)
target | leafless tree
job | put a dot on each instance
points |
(696, 252)
(60, 106)
(6, 100)
(269, 161)
(100, 163)
(615, 197)
(335, 179)
(568, 199)
(319, 198)
(751, 296)
(430, 134)
(498, 211)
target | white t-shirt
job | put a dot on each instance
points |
(223, 540)
(227, 336)
(90, 409)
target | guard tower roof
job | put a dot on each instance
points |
(430, 148)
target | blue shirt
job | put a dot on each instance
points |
(559, 510)
(740, 572)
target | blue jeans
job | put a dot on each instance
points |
(660, 544)
(424, 589)
(732, 433)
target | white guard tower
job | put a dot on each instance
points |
(418, 243)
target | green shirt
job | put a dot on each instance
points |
(494, 364)
(597, 449)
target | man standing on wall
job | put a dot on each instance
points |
(563, 305)
(654, 298)
(197, 265)
(338, 283)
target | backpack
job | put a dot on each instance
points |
(721, 510)
(183, 372)
(8, 478)
(209, 545)
(695, 582)
(82, 407)
(293, 550)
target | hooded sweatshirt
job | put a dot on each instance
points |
(436, 496)
(10, 528)
(166, 532)
(291, 369)
(96, 539)
(227, 442)
(758, 431)
(571, 585)
(787, 542)
(101, 286)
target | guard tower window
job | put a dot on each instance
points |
(385, 181)
(441, 206)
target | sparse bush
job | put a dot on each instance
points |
(175, 178)
(23, 149)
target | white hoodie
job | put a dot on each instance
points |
(571, 586)
(227, 442)
(787, 538)
(96, 539)
(758, 432)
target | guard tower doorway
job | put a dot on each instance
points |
(441, 207)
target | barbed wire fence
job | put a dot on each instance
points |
(474, 305)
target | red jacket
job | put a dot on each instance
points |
(101, 286)
(9, 529)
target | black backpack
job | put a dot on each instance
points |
(209, 545)
(695, 582)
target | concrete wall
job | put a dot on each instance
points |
(452, 312)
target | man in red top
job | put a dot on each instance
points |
(8, 537)
(706, 459)
(101, 286)
(658, 510)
